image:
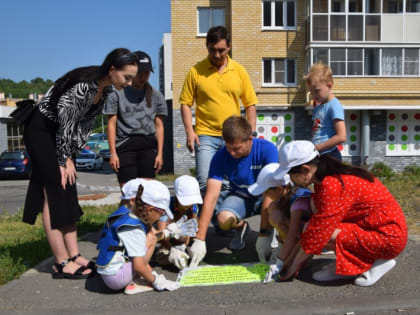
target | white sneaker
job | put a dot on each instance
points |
(378, 270)
(138, 286)
(328, 274)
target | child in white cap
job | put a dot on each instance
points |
(128, 238)
(184, 203)
(287, 213)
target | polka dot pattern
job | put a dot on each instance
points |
(372, 223)
(276, 127)
(403, 132)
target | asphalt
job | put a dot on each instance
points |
(35, 292)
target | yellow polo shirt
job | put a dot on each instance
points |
(217, 95)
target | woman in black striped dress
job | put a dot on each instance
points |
(58, 128)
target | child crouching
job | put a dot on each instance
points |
(128, 238)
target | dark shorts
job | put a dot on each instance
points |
(137, 158)
(335, 154)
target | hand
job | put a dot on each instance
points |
(114, 162)
(274, 270)
(158, 163)
(181, 228)
(197, 252)
(68, 173)
(178, 256)
(292, 272)
(191, 138)
(263, 247)
(161, 283)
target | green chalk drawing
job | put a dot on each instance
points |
(225, 274)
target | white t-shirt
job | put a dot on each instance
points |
(134, 241)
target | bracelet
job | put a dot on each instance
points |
(265, 231)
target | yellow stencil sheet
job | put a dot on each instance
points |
(224, 274)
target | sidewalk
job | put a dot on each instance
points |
(399, 291)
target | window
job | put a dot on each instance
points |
(355, 28)
(369, 61)
(354, 61)
(411, 61)
(391, 61)
(279, 72)
(373, 6)
(412, 6)
(320, 6)
(279, 14)
(372, 61)
(338, 61)
(338, 5)
(355, 6)
(373, 28)
(210, 17)
(338, 27)
(14, 137)
(320, 27)
(393, 6)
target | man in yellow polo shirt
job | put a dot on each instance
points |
(217, 85)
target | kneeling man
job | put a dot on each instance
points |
(240, 161)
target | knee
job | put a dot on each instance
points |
(226, 220)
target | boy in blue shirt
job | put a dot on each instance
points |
(239, 161)
(328, 129)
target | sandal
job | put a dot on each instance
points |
(91, 264)
(60, 274)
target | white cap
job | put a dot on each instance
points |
(293, 154)
(130, 188)
(265, 180)
(154, 193)
(187, 190)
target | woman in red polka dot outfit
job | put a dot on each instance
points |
(355, 215)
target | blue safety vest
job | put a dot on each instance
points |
(300, 193)
(109, 242)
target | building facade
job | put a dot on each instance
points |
(372, 46)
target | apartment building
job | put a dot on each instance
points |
(372, 46)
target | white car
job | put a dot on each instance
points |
(89, 161)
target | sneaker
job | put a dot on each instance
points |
(328, 274)
(138, 286)
(238, 240)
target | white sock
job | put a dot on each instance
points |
(379, 268)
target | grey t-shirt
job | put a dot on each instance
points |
(133, 115)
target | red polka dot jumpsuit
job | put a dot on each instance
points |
(372, 223)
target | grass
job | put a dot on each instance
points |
(22, 246)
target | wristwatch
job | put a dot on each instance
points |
(254, 134)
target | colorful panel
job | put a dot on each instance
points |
(276, 127)
(352, 146)
(403, 133)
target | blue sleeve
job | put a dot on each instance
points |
(217, 164)
(271, 154)
(336, 111)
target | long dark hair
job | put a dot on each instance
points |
(118, 58)
(329, 166)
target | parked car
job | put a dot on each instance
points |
(89, 160)
(15, 164)
(97, 142)
(105, 154)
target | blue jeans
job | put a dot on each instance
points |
(242, 207)
(208, 147)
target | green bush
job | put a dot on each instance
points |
(412, 170)
(193, 171)
(382, 170)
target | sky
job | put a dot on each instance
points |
(47, 38)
